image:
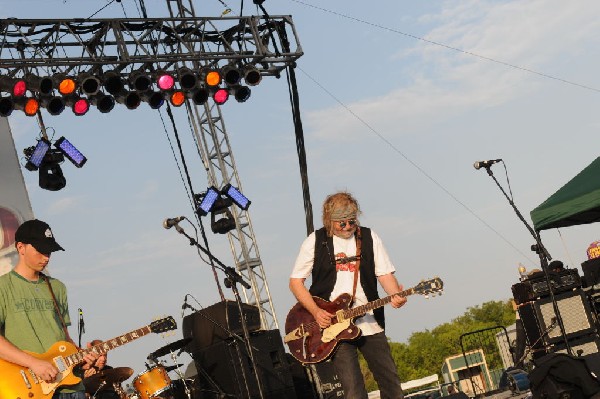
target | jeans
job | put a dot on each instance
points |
(376, 352)
(73, 395)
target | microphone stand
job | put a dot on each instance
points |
(231, 280)
(543, 254)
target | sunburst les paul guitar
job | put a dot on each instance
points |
(308, 343)
(18, 382)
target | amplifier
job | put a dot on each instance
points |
(581, 346)
(575, 313)
(562, 281)
(214, 323)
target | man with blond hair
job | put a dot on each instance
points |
(344, 257)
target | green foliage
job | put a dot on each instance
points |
(425, 351)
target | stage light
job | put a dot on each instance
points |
(164, 80)
(89, 84)
(252, 75)
(69, 151)
(105, 103)
(220, 96)
(199, 96)
(154, 99)
(55, 105)
(140, 81)
(241, 93)
(211, 77)
(177, 98)
(35, 155)
(113, 83)
(16, 87)
(131, 99)
(223, 225)
(79, 105)
(6, 106)
(37, 84)
(206, 201)
(187, 79)
(64, 84)
(28, 105)
(236, 196)
(50, 175)
(231, 74)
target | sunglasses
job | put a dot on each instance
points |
(351, 223)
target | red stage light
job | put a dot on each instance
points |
(221, 96)
(19, 88)
(81, 107)
(66, 86)
(165, 81)
(31, 106)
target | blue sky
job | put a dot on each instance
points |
(394, 119)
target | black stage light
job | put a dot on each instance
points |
(113, 83)
(223, 225)
(41, 85)
(104, 102)
(252, 75)
(154, 99)
(35, 155)
(241, 93)
(236, 196)
(55, 105)
(71, 152)
(131, 99)
(187, 79)
(140, 81)
(6, 106)
(199, 96)
(231, 74)
(88, 83)
(50, 175)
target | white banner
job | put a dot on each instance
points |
(15, 207)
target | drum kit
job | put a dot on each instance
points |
(152, 383)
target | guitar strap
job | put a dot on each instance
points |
(358, 238)
(56, 309)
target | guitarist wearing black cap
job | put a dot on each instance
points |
(34, 313)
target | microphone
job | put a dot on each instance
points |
(186, 305)
(170, 222)
(81, 322)
(485, 164)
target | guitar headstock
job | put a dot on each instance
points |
(430, 287)
(162, 325)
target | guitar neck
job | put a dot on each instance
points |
(104, 347)
(363, 309)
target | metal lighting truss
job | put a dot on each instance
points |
(125, 45)
(213, 144)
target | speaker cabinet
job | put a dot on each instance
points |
(574, 310)
(591, 272)
(213, 324)
(228, 364)
(582, 346)
(528, 316)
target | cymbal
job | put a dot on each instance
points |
(109, 376)
(173, 367)
(172, 347)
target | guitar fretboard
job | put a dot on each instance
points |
(104, 347)
(363, 309)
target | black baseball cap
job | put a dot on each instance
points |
(38, 234)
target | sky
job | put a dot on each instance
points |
(397, 99)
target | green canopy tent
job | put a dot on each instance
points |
(577, 202)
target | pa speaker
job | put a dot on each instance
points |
(229, 366)
(575, 313)
(591, 272)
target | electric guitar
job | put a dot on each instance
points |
(308, 343)
(18, 382)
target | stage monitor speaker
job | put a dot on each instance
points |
(228, 364)
(575, 313)
(210, 325)
(591, 272)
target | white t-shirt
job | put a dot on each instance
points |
(344, 248)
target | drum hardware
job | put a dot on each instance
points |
(173, 367)
(109, 379)
(170, 348)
